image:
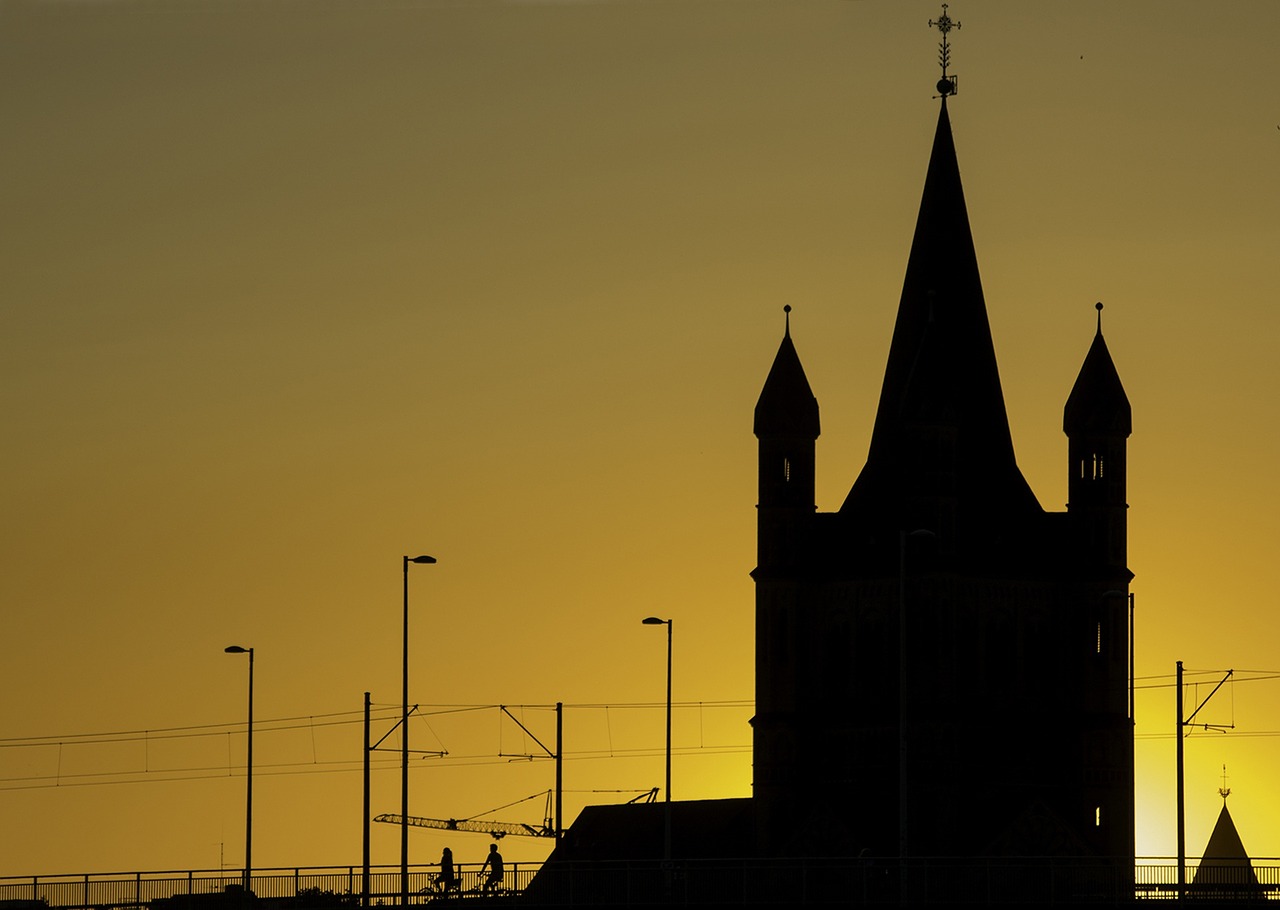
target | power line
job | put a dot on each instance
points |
(1261, 676)
(151, 774)
(302, 722)
(195, 731)
(289, 769)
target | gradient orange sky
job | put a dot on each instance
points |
(292, 288)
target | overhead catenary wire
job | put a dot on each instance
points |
(190, 732)
(151, 736)
(151, 774)
(154, 771)
(304, 721)
(342, 766)
(1169, 679)
(148, 736)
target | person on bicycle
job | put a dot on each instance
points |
(492, 862)
(446, 881)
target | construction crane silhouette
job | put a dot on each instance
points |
(495, 829)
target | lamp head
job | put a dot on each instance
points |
(236, 649)
(422, 560)
(654, 621)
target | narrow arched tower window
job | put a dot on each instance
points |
(786, 470)
(1092, 467)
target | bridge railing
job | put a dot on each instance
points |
(312, 887)
(936, 880)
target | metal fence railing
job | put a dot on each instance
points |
(302, 887)
(731, 882)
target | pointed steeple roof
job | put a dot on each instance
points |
(1224, 842)
(787, 406)
(942, 362)
(1225, 867)
(1097, 403)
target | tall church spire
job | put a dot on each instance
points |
(941, 399)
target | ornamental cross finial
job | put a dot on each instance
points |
(1224, 791)
(944, 24)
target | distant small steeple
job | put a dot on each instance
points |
(1225, 871)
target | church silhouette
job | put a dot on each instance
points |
(943, 667)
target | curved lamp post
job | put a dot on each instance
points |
(404, 739)
(666, 835)
(248, 776)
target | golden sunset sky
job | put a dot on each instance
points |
(293, 288)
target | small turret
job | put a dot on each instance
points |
(1098, 420)
(786, 424)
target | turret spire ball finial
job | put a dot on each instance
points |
(944, 24)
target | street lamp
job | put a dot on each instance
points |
(248, 776)
(404, 739)
(666, 837)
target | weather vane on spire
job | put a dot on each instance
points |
(944, 23)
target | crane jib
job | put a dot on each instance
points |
(494, 828)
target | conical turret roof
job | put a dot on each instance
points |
(787, 406)
(1224, 843)
(1097, 403)
(1225, 868)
